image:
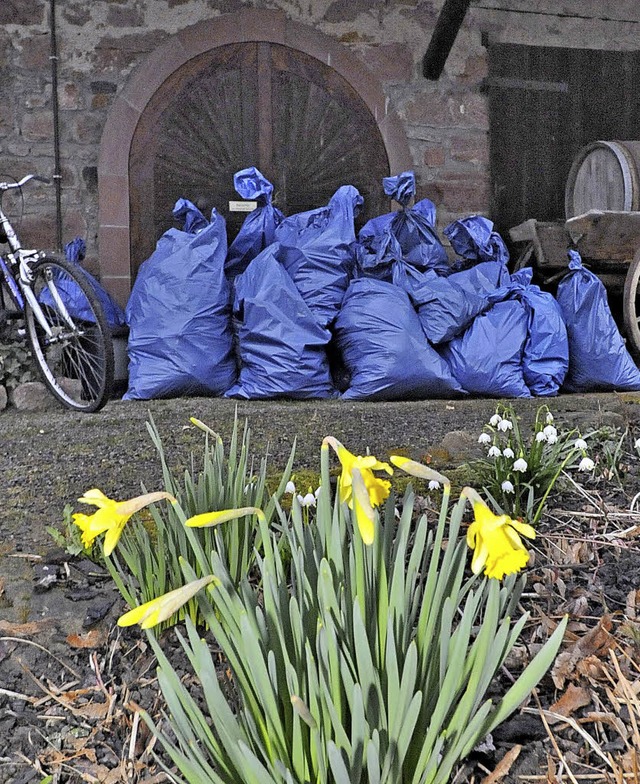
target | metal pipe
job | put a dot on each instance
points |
(57, 175)
(444, 34)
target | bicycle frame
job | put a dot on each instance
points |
(20, 259)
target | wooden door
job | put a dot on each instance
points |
(251, 104)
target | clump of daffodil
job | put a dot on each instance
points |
(428, 643)
(495, 540)
(112, 516)
(378, 489)
(163, 607)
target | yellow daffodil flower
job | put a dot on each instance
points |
(111, 516)
(365, 517)
(161, 609)
(419, 470)
(495, 540)
(377, 489)
(207, 519)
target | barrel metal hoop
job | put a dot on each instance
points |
(627, 166)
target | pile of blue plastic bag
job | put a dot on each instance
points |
(300, 307)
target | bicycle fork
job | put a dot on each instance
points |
(37, 310)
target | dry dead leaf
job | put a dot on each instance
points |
(573, 698)
(503, 767)
(596, 642)
(593, 668)
(26, 629)
(94, 710)
(92, 639)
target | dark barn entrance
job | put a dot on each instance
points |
(248, 88)
(245, 104)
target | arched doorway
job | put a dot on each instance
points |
(245, 89)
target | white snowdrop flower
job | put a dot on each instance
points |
(495, 420)
(300, 499)
(520, 465)
(508, 452)
(308, 500)
(636, 443)
(290, 488)
(586, 464)
(549, 418)
(550, 432)
(505, 424)
(485, 438)
(552, 439)
(317, 492)
(507, 487)
(582, 444)
(494, 452)
(434, 485)
(540, 436)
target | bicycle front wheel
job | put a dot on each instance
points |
(69, 335)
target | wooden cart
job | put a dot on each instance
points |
(609, 244)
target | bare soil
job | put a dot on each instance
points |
(70, 680)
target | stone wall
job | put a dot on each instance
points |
(101, 43)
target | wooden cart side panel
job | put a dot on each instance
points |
(606, 235)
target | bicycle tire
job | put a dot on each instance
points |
(77, 362)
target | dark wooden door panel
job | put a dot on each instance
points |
(323, 136)
(251, 104)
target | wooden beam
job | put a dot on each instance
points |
(444, 34)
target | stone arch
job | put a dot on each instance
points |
(114, 220)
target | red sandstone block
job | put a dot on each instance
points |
(434, 156)
(37, 125)
(120, 16)
(35, 52)
(473, 150)
(25, 12)
(389, 62)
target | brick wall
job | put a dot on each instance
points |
(100, 43)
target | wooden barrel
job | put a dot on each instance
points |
(604, 176)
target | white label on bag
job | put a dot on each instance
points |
(242, 206)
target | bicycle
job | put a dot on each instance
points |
(63, 319)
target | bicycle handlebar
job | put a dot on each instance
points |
(5, 186)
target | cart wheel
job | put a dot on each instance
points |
(631, 305)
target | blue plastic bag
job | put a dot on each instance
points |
(474, 240)
(282, 347)
(383, 348)
(598, 358)
(447, 305)
(413, 227)
(317, 249)
(444, 308)
(380, 262)
(545, 359)
(187, 212)
(179, 317)
(258, 228)
(74, 299)
(487, 358)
